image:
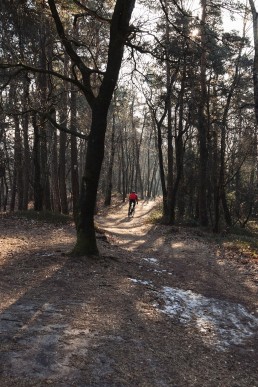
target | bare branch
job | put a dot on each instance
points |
(89, 12)
(21, 67)
(85, 71)
(63, 128)
(48, 117)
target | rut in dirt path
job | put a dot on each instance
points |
(196, 287)
(160, 309)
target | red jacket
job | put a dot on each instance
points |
(133, 196)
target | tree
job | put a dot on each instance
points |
(99, 104)
(192, 126)
(95, 71)
(255, 65)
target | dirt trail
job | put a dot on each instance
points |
(162, 307)
(130, 232)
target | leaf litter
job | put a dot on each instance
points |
(160, 308)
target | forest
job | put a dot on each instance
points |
(102, 97)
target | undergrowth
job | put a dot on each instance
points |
(243, 240)
(156, 214)
(44, 216)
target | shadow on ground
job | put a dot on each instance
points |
(87, 323)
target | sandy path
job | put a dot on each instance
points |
(129, 232)
(162, 308)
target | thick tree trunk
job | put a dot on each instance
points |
(179, 146)
(62, 145)
(123, 171)
(138, 175)
(44, 165)
(226, 211)
(62, 170)
(54, 174)
(74, 155)
(221, 188)
(151, 191)
(26, 146)
(215, 178)
(170, 149)
(108, 193)
(17, 187)
(38, 191)
(86, 239)
(202, 127)
(42, 83)
(161, 169)
(255, 64)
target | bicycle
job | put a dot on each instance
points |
(131, 210)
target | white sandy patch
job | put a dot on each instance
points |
(220, 323)
(141, 282)
(151, 260)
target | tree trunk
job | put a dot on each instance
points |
(202, 126)
(27, 155)
(86, 238)
(138, 173)
(62, 146)
(17, 187)
(74, 155)
(161, 168)
(108, 193)
(170, 150)
(38, 194)
(179, 146)
(44, 165)
(255, 64)
(56, 205)
(216, 190)
(42, 83)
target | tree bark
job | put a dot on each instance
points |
(170, 149)
(86, 238)
(62, 145)
(38, 190)
(161, 169)
(56, 205)
(255, 64)
(108, 193)
(202, 126)
(26, 150)
(74, 154)
(179, 145)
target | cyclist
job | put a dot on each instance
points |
(133, 199)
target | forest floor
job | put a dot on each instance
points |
(163, 306)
